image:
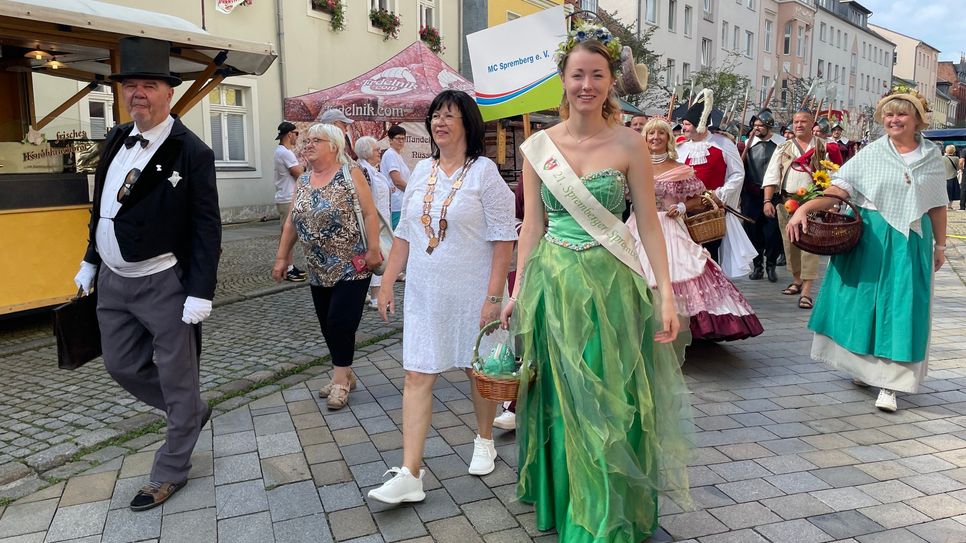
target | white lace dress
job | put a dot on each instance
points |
(445, 290)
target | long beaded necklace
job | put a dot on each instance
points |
(426, 219)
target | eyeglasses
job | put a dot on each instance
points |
(445, 118)
(315, 141)
(129, 180)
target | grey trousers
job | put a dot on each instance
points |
(150, 352)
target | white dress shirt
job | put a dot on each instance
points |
(123, 162)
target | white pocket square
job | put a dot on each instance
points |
(175, 177)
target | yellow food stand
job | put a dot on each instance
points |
(45, 179)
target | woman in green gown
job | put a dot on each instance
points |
(601, 429)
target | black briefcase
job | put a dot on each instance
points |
(78, 335)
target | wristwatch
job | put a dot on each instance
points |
(494, 299)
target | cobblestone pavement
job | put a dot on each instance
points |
(244, 270)
(787, 451)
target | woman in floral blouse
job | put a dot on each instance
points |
(324, 221)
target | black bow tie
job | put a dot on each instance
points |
(131, 140)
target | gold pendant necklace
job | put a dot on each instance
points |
(581, 140)
(426, 219)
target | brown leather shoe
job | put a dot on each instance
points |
(153, 494)
(327, 388)
(338, 397)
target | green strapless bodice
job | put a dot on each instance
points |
(606, 185)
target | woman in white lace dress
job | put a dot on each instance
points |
(367, 149)
(455, 238)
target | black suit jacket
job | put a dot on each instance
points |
(163, 214)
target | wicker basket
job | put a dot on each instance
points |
(493, 389)
(831, 233)
(707, 226)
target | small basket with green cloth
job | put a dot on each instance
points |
(496, 376)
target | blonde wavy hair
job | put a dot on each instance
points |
(611, 108)
(657, 123)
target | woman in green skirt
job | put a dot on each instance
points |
(601, 427)
(872, 318)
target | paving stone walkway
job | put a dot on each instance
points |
(787, 451)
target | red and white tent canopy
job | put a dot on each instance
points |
(397, 90)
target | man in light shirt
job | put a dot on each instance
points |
(781, 180)
(394, 167)
(155, 237)
(287, 171)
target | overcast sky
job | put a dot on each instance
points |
(937, 23)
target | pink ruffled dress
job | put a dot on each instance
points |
(717, 310)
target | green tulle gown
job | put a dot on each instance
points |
(602, 428)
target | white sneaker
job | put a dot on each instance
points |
(886, 400)
(506, 421)
(484, 453)
(403, 487)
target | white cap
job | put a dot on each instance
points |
(331, 116)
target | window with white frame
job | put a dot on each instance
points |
(230, 115)
(708, 7)
(589, 5)
(724, 34)
(845, 40)
(672, 15)
(749, 44)
(736, 39)
(800, 49)
(98, 112)
(821, 68)
(388, 5)
(706, 51)
(671, 72)
(427, 13)
(787, 39)
(685, 71)
(750, 4)
(769, 31)
(650, 11)
(765, 87)
(821, 32)
(688, 15)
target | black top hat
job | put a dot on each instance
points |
(145, 58)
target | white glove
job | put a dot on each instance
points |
(85, 276)
(195, 310)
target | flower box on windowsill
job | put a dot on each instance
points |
(432, 39)
(387, 21)
(334, 9)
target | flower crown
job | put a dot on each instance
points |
(587, 31)
(905, 89)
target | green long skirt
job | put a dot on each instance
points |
(603, 427)
(875, 298)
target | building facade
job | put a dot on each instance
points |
(955, 74)
(854, 61)
(915, 60)
(239, 118)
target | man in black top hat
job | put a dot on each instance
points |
(155, 236)
(763, 233)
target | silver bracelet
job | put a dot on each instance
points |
(940, 247)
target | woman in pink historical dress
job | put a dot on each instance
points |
(717, 310)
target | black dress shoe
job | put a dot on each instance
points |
(770, 270)
(757, 274)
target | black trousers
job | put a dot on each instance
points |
(764, 233)
(339, 309)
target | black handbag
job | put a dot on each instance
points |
(77, 331)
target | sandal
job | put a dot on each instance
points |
(792, 289)
(806, 302)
